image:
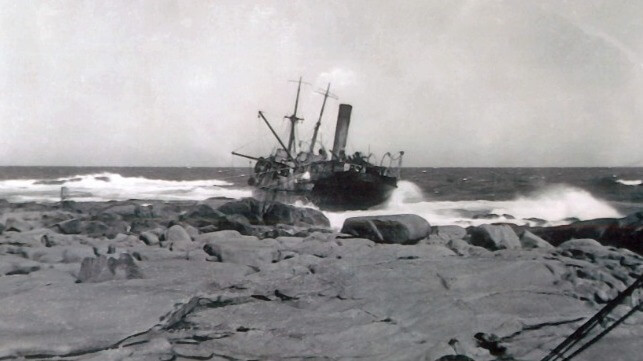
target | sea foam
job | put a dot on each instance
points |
(552, 205)
(635, 182)
(113, 186)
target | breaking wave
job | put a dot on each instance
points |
(552, 205)
(113, 186)
(636, 182)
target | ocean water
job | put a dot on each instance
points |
(462, 196)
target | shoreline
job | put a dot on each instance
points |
(239, 279)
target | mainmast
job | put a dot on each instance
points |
(321, 113)
(293, 120)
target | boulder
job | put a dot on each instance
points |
(107, 217)
(580, 243)
(494, 237)
(101, 269)
(208, 229)
(149, 238)
(127, 240)
(245, 250)
(178, 238)
(217, 236)
(202, 215)
(448, 233)
(55, 216)
(60, 254)
(93, 228)
(462, 248)
(76, 254)
(399, 228)
(457, 357)
(315, 248)
(14, 265)
(192, 231)
(90, 228)
(129, 210)
(257, 212)
(530, 240)
(626, 232)
(279, 213)
(236, 222)
(536, 221)
(177, 233)
(17, 225)
(115, 228)
(141, 225)
(250, 208)
(594, 229)
(167, 211)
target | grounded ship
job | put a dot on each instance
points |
(335, 182)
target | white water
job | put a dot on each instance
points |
(112, 186)
(636, 182)
(553, 204)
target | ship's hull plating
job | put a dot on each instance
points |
(346, 190)
(352, 190)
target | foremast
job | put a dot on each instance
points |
(292, 147)
(326, 94)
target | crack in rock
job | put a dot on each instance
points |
(168, 321)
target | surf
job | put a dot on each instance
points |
(106, 186)
(551, 205)
(634, 182)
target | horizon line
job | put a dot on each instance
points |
(201, 167)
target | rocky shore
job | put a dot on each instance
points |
(247, 280)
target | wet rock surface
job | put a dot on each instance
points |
(178, 287)
(626, 232)
(101, 269)
(399, 228)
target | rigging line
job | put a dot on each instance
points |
(595, 320)
(244, 145)
(231, 177)
(605, 332)
(274, 170)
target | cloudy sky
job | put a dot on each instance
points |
(453, 83)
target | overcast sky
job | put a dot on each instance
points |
(453, 83)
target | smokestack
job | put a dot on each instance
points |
(341, 130)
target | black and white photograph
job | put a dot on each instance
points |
(232, 180)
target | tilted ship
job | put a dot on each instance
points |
(334, 182)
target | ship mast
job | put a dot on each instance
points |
(293, 121)
(321, 113)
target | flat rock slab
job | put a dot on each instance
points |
(63, 317)
(401, 310)
(248, 252)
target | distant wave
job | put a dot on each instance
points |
(552, 205)
(112, 186)
(636, 182)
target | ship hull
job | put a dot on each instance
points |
(344, 190)
(351, 190)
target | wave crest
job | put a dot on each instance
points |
(552, 205)
(113, 186)
(634, 182)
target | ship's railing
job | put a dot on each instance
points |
(273, 171)
(392, 170)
